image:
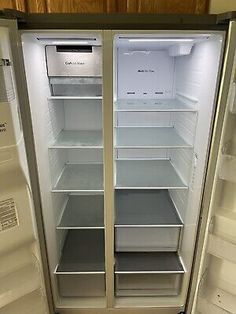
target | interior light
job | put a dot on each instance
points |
(70, 42)
(160, 40)
(67, 41)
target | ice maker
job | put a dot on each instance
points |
(74, 70)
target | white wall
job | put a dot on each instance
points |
(219, 6)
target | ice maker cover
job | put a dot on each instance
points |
(79, 61)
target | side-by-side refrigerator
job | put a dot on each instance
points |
(117, 164)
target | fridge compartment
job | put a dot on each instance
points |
(146, 274)
(71, 86)
(227, 168)
(146, 221)
(82, 253)
(83, 212)
(147, 284)
(143, 105)
(149, 137)
(80, 177)
(151, 174)
(78, 139)
(92, 285)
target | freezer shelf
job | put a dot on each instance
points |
(152, 105)
(150, 137)
(83, 253)
(151, 174)
(78, 139)
(80, 177)
(148, 263)
(146, 221)
(83, 212)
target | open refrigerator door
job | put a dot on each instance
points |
(215, 290)
(22, 288)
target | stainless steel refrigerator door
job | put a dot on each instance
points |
(22, 288)
(213, 286)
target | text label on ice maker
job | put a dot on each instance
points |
(146, 71)
(74, 63)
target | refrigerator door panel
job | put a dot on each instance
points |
(21, 276)
(213, 287)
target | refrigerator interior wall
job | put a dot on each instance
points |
(163, 109)
(69, 147)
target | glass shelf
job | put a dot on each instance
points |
(149, 137)
(74, 97)
(152, 105)
(83, 253)
(147, 174)
(80, 178)
(160, 262)
(83, 212)
(78, 139)
(145, 208)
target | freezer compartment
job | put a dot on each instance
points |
(146, 221)
(147, 284)
(81, 285)
(84, 87)
(83, 212)
(81, 270)
(148, 274)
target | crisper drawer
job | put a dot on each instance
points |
(139, 239)
(153, 274)
(146, 220)
(147, 284)
(81, 285)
